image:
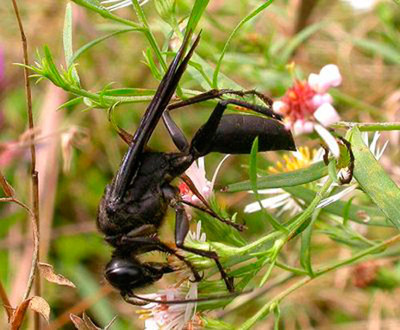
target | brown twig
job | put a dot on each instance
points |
(34, 174)
(5, 301)
(16, 201)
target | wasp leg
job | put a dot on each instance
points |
(217, 93)
(154, 244)
(350, 168)
(176, 133)
(181, 231)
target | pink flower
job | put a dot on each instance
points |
(307, 106)
(197, 174)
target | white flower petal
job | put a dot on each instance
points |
(320, 99)
(331, 199)
(326, 114)
(314, 81)
(272, 203)
(330, 75)
(271, 191)
(217, 171)
(375, 138)
(279, 107)
(379, 153)
(329, 139)
(302, 127)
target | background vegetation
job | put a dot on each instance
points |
(78, 150)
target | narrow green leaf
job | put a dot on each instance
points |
(277, 313)
(356, 213)
(332, 170)
(294, 178)
(94, 42)
(51, 67)
(346, 211)
(254, 186)
(374, 180)
(298, 40)
(305, 250)
(95, 5)
(197, 12)
(378, 48)
(70, 103)
(151, 64)
(67, 35)
(250, 16)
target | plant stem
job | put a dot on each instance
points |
(369, 127)
(275, 301)
(147, 32)
(34, 174)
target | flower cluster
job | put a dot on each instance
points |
(308, 102)
(307, 105)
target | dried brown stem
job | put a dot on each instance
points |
(5, 301)
(34, 174)
(16, 201)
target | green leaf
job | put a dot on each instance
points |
(374, 180)
(378, 48)
(70, 103)
(298, 40)
(277, 313)
(356, 213)
(197, 12)
(305, 250)
(151, 64)
(95, 5)
(254, 185)
(94, 42)
(67, 36)
(332, 170)
(294, 178)
(250, 16)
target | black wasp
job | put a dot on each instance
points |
(136, 201)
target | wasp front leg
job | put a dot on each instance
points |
(181, 231)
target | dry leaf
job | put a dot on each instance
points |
(18, 317)
(78, 322)
(7, 188)
(84, 323)
(47, 271)
(39, 305)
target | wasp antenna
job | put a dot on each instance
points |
(135, 299)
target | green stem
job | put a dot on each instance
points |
(263, 312)
(369, 127)
(292, 232)
(147, 32)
